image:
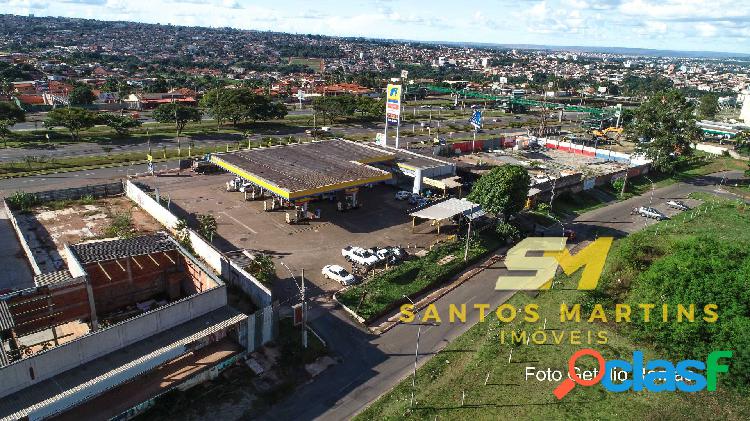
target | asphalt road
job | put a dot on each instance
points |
(140, 144)
(75, 178)
(371, 365)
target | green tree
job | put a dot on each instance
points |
(178, 114)
(503, 190)
(10, 114)
(665, 129)
(708, 107)
(207, 226)
(370, 108)
(121, 124)
(332, 108)
(241, 105)
(73, 119)
(81, 95)
(9, 111)
(5, 131)
(263, 268)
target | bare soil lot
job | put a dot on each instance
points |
(49, 227)
(80, 222)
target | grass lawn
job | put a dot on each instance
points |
(567, 205)
(461, 370)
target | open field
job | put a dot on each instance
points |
(477, 377)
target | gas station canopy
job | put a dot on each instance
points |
(306, 169)
(450, 208)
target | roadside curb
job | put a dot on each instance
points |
(349, 311)
(435, 295)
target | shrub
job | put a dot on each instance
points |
(121, 226)
(22, 201)
(507, 232)
(617, 184)
(543, 208)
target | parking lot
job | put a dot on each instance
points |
(380, 221)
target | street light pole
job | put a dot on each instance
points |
(416, 352)
(468, 235)
(304, 303)
(304, 312)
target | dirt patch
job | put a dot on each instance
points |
(77, 222)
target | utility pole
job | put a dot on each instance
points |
(468, 235)
(416, 352)
(304, 313)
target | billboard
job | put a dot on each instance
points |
(476, 119)
(393, 103)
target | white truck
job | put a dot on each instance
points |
(359, 256)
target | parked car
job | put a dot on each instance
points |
(403, 195)
(677, 204)
(390, 254)
(415, 198)
(359, 256)
(649, 212)
(338, 274)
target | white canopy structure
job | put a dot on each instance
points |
(450, 208)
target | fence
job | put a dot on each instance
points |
(595, 152)
(75, 193)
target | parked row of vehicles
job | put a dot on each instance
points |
(412, 198)
(373, 256)
(653, 213)
(363, 257)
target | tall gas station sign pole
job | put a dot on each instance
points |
(392, 109)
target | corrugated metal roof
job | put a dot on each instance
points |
(6, 319)
(106, 250)
(52, 278)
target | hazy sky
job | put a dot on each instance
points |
(714, 25)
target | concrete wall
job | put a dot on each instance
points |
(596, 153)
(73, 354)
(149, 204)
(74, 266)
(22, 239)
(261, 327)
(258, 293)
(231, 272)
(717, 150)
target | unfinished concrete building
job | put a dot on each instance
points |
(121, 309)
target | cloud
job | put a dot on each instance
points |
(675, 24)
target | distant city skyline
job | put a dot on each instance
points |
(685, 25)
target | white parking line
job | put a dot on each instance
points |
(238, 221)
